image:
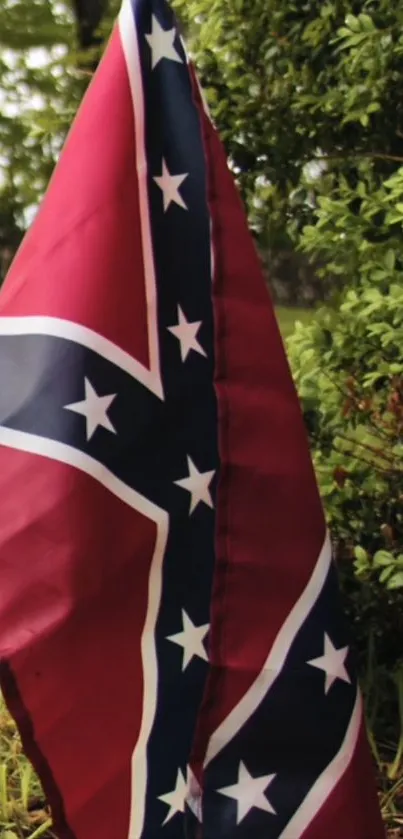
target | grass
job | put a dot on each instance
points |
(23, 812)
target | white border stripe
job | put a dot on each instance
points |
(326, 783)
(52, 449)
(139, 765)
(131, 52)
(275, 660)
(72, 457)
(59, 328)
(128, 36)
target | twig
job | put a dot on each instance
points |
(371, 155)
(388, 457)
(370, 463)
(394, 768)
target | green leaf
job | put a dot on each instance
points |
(386, 573)
(353, 23)
(390, 259)
(396, 581)
(383, 558)
(367, 22)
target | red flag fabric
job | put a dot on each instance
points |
(171, 639)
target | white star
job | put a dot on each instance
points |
(186, 333)
(249, 792)
(176, 798)
(197, 483)
(332, 663)
(161, 42)
(191, 640)
(94, 408)
(169, 184)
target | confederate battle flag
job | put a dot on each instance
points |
(170, 632)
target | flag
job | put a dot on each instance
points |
(171, 638)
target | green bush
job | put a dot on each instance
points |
(349, 375)
(348, 367)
